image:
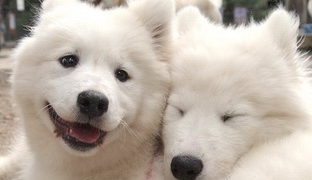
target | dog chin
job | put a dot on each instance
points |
(75, 152)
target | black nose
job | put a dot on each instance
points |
(92, 103)
(186, 167)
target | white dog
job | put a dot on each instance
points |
(240, 106)
(91, 86)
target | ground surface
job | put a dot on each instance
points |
(8, 120)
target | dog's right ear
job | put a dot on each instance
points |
(283, 28)
(51, 4)
(156, 16)
(190, 18)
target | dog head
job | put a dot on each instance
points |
(85, 74)
(232, 89)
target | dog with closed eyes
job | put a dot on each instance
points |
(240, 103)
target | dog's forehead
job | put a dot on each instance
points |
(95, 30)
(213, 83)
(223, 76)
(237, 58)
(88, 19)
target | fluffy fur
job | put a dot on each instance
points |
(241, 100)
(134, 38)
(210, 8)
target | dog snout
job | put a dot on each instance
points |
(92, 103)
(186, 167)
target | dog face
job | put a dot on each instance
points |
(232, 89)
(86, 73)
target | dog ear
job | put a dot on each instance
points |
(51, 4)
(156, 16)
(190, 18)
(283, 27)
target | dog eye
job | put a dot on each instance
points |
(122, 75)
(226, 117)
(174, 112)
(69, 61)
(181, 112)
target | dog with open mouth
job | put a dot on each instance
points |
(91, 85)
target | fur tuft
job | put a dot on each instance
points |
(189, 18)
(156, 17)
(284, 28)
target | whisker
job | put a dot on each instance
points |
(131, 131)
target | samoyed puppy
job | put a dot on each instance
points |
(91, 86)
(240, 106)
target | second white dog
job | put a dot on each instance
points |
(240, 106)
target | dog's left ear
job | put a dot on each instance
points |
(283, 27)
(190, 18)
(156, 16)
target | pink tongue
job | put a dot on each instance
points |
(85, 133)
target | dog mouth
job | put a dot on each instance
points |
(79, 136)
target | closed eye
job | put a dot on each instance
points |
(226, 117)
(181, 111)
(229, 116)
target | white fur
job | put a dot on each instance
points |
(310, 7)
(253, 73)
(135, 38)
(209, 8)
(11, 165)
